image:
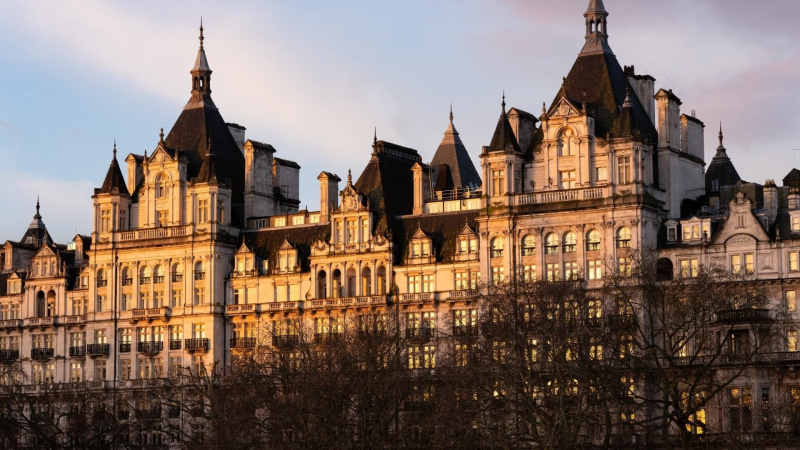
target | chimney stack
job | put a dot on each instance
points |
(328, 195)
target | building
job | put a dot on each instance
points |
(201, 246)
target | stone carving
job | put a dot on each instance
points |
(741, 239)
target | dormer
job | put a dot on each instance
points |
(351, 223)
(672, 231)
(14, 284)
(695, 230)
(467, 244)
(288, 261)
(246, 261)
(46, 263)
(420, 248)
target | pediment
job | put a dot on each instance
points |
(244, 248)
(286, 245)
(419, 234)
(466, 231)
(160, 155)
(44, 250)
(564, 108)
(742, 222)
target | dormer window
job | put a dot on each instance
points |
(14, 286)
(420, 249)
(498, 182)
(624, 166)
(287, 260)
(279, 222)
(672, 234)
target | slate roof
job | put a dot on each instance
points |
(208, 171)
(503, 139)
(36, 232)
(114, 182)
(266, 242)
(443, 229)
(388, 183)
(452, 152)
(444, 179)
(721, 169)
(792, 179)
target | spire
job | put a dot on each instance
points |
(201, 77)
(115, 150)
(504, 101)
(37, 215)
(36, 233)
(451, 113)
(114, 182)
(722, 152)
(452, 154)
(375, 137)
(720, 136)
(596, 29)
(627, 103)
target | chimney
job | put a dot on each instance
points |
(135, 173)
(419, 189)
(794, 198)
(644, 87)
(669, 127)
(328, 195)
(771, 200)
(237, 131)
(692, 136)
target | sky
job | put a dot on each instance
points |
(315, 78)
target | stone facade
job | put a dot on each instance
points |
(201, 249)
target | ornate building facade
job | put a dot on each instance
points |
(199, 247)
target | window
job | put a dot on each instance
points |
(552, 244)
(736, 263)
(202, 211)
(791, 341)
(565, 144)
(351, 232)
(796, 223)
(689, 268)
(199, 273)
(100, 337)
(102, 302)
(624, 267)
(570, 242)
(429, 356)
(474, 279)
(414, 284)
(595, 309)
(601, 174)
(529, 272)
(740, 409)
(365, 233)
(529, 245)
(462, 281)
(199, 296)
(749, 267)
(125, 369)
(497, 245)
(144, 275)
(793, 261)
(568, 179)
(162, 220)
(595, 269)
(553, 272)
(76, 372)
(14, 286)
(624, 237)
(279, 222)
(499, 352)
(463, 354)
(468, 245)
(791, 301)
(414, 358)
(672, 233)
(100, 370)
(624, 169)
(593, 241)
(498, 182)
(123, 221)
(428, 284)
(498, 275)
(260, 223)
(105, 220)
(571, 270)
(160, 185)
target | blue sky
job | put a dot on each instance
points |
(314, 77)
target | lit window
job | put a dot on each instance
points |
(571, 270)
(793, 261)
(570, 242)
(690, 268)
(568, 179)
(595, 269)
(791, 301)
(497, 247)
(624, 267)
(795, 223)
(553, 272)
(552, 245)
(529, 272)
(593, 241)
(529, 245)
(624, 237)
(498, 275)
(736, 263)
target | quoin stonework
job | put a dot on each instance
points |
(199, 247)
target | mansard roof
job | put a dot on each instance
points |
(114, 182)
(452, 152)
(388, 183)
(443, 230)
(598, 80)
(267, 242)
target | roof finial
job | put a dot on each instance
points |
(627, 103)
(349, 177)
(37, 204)
(720, 134)
(451, 113)
(201, 32)
(544, 108)
(564, 85)
(115, 148)
(504, 101)
(375, 137)
(161, 136)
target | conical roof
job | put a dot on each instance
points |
(503, 139)
(454, 154)
(114, 182)
(36, 234)
(721, 171)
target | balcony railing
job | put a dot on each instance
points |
(74, 320)
(198, 276)
(77, 351)
(144, 280)
(424, 333)
(125, 347)
(285, 340)
(151, 313)
(158, 279)
(462, 294)
(41, 321)
(245, 308)
(175, 344)
(417, 298)
(97, 349)
(150, 347)
(243, 342)
(326, 336)
(102, 283)
(9, 355)
(177, 277)
(127, 281)
(153, 233)
(42, 353)
(566, 195)
(197, 344)
(744, 315)
(465, 330)
(11, 323)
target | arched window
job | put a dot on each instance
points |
(624, 237)
(158, 274)
(593, 240)
(144, 275)
(101, 278)
(337, 283)
(497, 245)
(366, 281)
(664, 269)
(322, 284)
(40, 304)
(565, 143)
(127, 277)
(570, 242)
(552, 243)
(51, 304)
(161, 185)
(528, 245)
(351, 282)
(177, 273)
(199, 271)
(381, 281)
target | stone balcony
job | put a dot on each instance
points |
(10, 323)
(243, 309)
(150, 314)
(41, 321)
(73, 320)
(154, 233)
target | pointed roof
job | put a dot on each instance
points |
(200, 123)
(114, 182)
(503, 140)
(721, 169)
(596, 31)
(444, 179)
(201, 62)
(36, 234)
(628, 123)
(792, 179)
(454, 154)
(208, 171)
